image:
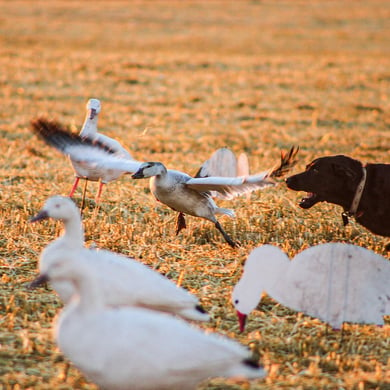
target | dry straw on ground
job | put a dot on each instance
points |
(178, 80)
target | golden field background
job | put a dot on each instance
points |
(177, 80)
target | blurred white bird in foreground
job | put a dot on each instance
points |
(122, 280)
(138, 349)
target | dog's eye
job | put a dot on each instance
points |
(313, 169)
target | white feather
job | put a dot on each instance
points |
(230, 187)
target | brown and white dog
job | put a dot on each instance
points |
(362, 190)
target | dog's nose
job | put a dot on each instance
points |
(291, 182)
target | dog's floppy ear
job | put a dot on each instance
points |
(344, 171)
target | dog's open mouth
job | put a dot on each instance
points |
(308, 201)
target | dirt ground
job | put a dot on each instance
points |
(177, 80)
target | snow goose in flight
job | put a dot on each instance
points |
(177, 190)
(334, 282)
(124, 281)
(193, 196)
(132, 348)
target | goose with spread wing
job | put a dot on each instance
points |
(193, 196)
(177, 190)
(87, 171)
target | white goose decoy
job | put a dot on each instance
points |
(124, 281)
(87, 171)
(334, 282)
(177, 190)
(130, 348)
(224, 163)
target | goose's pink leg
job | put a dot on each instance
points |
(84, 192)
(76, 183)
(101, 184)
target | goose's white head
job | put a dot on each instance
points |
(57, 207)
(258, 274)
(150, 169)
(93, 108)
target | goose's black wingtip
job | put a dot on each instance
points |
(54, 133)
(287, 161)
(44, 127)
(58, 136)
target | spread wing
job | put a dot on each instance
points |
(223, 161)
(113, 144)
(93, 152)
(229, 187)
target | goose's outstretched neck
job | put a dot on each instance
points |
(74, 231)
(89, 125)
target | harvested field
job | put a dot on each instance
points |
(177, 80)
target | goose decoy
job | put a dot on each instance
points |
(124, 281)
(223, 162)
(87, 171)
(334, 282)
(177, 190)
(132, 348)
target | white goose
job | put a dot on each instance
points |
(131, 348)
(87, 171)
(335, 282)
(124, 281)
(177, 190)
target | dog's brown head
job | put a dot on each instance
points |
(332, 179)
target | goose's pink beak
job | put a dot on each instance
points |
(241, 320)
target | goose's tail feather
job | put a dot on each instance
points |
(228, 212)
